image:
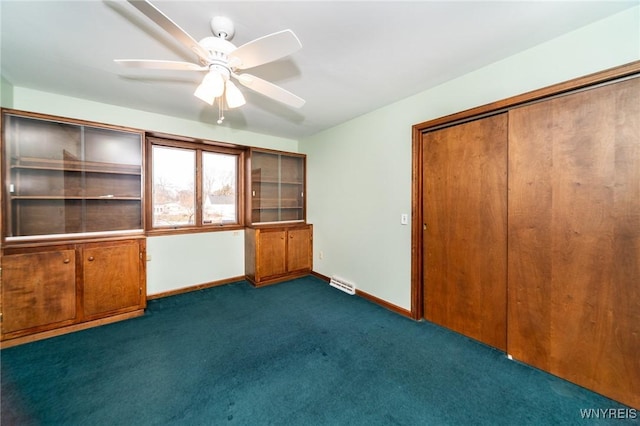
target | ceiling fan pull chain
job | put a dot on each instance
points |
(220, 110)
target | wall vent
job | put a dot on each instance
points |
(342, 284)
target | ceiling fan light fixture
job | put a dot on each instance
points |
(234, 95)
(222, 58)
(211, 87)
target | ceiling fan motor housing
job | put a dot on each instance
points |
(219, 50)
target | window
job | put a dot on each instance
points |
(219, 188)
(194, 185)
(174, 190)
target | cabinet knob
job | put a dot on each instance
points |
(90, 259)
(66, 261)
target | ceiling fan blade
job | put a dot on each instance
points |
(160, 65)
(265, 49)
(271, 90)
(171, 27)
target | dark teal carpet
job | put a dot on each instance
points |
(296, 353)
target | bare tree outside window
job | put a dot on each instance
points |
(219, 194)
(173, 186)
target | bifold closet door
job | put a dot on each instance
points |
(574, 238)
(465, 240)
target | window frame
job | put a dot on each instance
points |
(198, 146)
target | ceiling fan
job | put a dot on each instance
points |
(221, 60)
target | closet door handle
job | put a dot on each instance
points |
(90, 259)
(66, 261)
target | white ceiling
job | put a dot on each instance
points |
(356, 57)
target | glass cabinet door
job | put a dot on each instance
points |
(277, 187)
(64, 178)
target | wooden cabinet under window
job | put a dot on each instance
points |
(274, 254)
(51, 290)
(112, 277)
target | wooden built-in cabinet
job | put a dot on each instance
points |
(274, 254)
(531, 228)
(49, 290)
(73, 247)
(278, 242)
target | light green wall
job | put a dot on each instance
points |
(359, 173)
(6, 93)
(179, 261)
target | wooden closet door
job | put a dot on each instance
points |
(574, 238)
(464, 208)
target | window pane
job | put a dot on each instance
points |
(173, 186)
(219, 181)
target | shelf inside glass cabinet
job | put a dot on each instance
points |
(66, 178)
(277, 187)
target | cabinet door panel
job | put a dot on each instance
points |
(38, 289)
(574, 238)
(465, 178)
(111, 277)
(299, 249)
(271, 249)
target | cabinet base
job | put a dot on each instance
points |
(69, 329)
(269, 281)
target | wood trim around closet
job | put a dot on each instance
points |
(591, 80)
(535, 95)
